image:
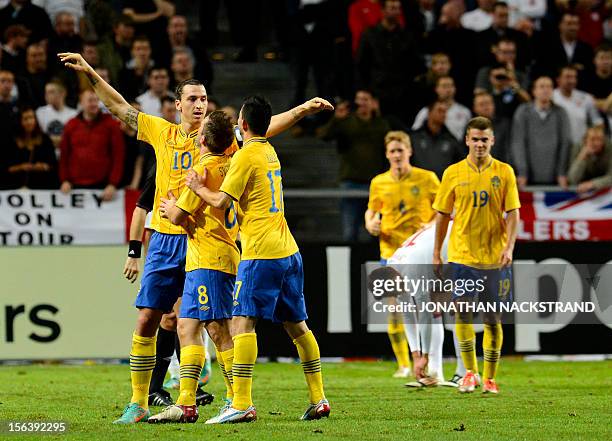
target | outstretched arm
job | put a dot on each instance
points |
(112, 99)
(288, 119)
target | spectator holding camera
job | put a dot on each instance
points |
(591, 168)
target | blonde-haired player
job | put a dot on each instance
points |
(399, 205)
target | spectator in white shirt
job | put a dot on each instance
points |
(480, 18)
(55, 114)
(579, 105)
(158, 82)
(457, 115)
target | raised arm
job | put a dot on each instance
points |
(288, 119)
(112, 99)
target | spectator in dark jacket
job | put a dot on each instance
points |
(31, 16)
(31, 160)
(591, 168)
(388, 61)
(434, 147)
(92, 149)
(360, 137)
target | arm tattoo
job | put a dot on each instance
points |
(92, 79)
(131, 118)
(295, 114)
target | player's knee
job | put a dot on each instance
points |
(218, 332)
(295, 330)
(148, 322)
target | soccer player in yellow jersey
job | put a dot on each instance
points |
(399, 205)
(176, 151)
(212, 262)
(270, 279)
(483, 194)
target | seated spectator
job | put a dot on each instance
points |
(480, 18)
(541, 139)
(579, 105)
(434, 146)
(31, 161)
(563, 49)
(150, 18)
(599, 82)
(178, 40)
(92, 150)
(232, 113)
(453, 39)
(181, 67)
(591, 168)
(9, 109)
(388, 60)
(133, 77)
(115, 48)
(425, 84)
(54, 116)
(484, 105)
(65, 38)
(53, 8)
(500, 30)
(363, 14)
(359, 137)
(506, 90)
(150, 101)
(532, 10)
(504, 52)
(13, 50)
(457, 115)
(35, 76)
(34, 18)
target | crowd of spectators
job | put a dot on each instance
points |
(541, 70)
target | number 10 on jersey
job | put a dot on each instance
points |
(276, 187)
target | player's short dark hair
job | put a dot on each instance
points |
(257, 112)
(383, 273)
(479, 123)
(218, 131)
(178, 91)
(499, 4)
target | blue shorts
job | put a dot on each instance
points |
(163, 277)
(207, 295)
(271, 289)
(490, 285)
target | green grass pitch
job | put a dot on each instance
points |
(538, 401)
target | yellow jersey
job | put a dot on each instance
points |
(254, 180)
(175, 153)
(405, 205)
(479, 198)
(213, 245)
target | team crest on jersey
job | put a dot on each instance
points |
(495, 182)
(415, 190)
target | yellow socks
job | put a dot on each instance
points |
(491, 345)
(308, 349)
(192, 360)
(142, 362)
(467, 345)
(245, 355)
(397, 336)
(226, 363)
